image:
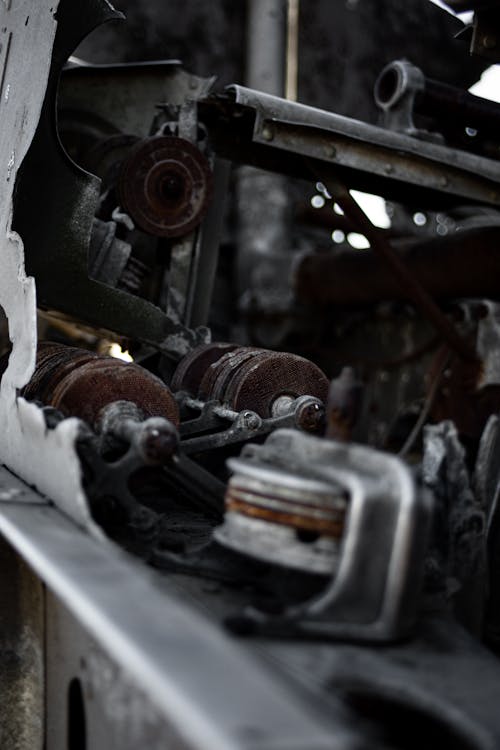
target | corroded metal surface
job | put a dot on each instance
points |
(81, 384)
(166, 186)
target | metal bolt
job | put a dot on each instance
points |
(331, 151)
(388, 168)
(489, 41)
(159, 442)
(311, 417)
(251, 420)
(444, 181)
(282, 406)
(267, 133)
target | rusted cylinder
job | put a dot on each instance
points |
(465, 264)
(247, 377)
(81, 383)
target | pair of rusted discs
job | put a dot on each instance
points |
(247, 377)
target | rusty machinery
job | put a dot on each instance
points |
(333, 497)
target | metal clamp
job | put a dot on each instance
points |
(372, 594)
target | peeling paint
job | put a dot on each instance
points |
(44, 458)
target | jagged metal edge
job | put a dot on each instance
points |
(44, 458)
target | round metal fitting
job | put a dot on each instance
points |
(79, 383)
(165, 186)
(279, 517)
(261, 380)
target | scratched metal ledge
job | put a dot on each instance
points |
(208, 688)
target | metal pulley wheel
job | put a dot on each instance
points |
(80, 383)
(261, 380)
(249, 378)
(192, 368)
(165, 186)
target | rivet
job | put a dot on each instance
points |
(489, 41)
(267, 133)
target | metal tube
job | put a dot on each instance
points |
(382, 248)
(263, 206)
(266, 45)
(434, 98)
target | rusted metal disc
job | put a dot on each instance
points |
(165, 186)
(53, 362)
(193, 366)
(225, 377)
(80, 384)
(217, 374)
(226, 391)
(88, 389)
(259, 383)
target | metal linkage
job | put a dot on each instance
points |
(373, 591)
(305, 413)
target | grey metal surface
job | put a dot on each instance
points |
(372, 595)
(124, 97)
(22, 665)
(364, 153)
(210, 691)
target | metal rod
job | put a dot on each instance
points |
(416, 293)
(292, 51)
(266, 45)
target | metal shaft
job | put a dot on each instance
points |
(381, 246)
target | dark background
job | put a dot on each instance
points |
(343, 44)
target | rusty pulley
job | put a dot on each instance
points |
(165, 186)
(80, 383)
(248, 377)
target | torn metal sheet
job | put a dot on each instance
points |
(46, 459)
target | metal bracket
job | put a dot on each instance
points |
(373, 594)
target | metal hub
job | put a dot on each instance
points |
(166, 185)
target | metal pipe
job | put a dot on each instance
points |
(266, 45)
(464, 264)
(434, 98)
(263, 207)
(420, 298)
(292, 51)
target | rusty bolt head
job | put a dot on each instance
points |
(159, 442)
(311, 417)
(251, 421)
